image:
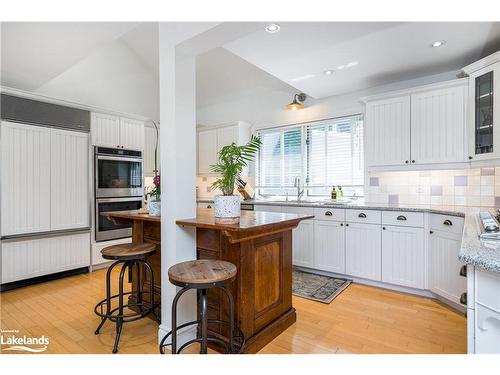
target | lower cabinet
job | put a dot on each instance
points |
(403, 256)
(302, 244)
(329, 246)
(444, 266)
(363, 250)
(28, 258)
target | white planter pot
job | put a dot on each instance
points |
(227, 209)
(154, 207)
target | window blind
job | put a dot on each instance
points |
(321, 153)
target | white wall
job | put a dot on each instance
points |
(269, 109)
(112, 78)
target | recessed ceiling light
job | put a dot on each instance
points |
(273, 28)
(438, 43)
(328, 72)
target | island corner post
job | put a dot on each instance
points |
(260, 247)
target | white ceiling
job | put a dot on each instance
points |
(222, 76)
(385, 52)
(34, 53)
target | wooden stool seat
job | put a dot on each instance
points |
(202, 272)
(128, 251)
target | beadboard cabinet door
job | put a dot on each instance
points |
(329, 246)
(131, 134)
(444, 266)
(207, 150)
(403, 256)
(24, 259)
(25, 179)
(387, 132)
(438, 126)
(363, 250)
(105, 130)
(69, 173)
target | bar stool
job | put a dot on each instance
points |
(129, 255)
(203, 275)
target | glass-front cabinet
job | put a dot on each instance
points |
(484, 126)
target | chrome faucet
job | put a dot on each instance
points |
(297, 185)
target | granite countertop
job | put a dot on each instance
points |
(479, 253)
(359, 203)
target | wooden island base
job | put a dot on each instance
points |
(261, 248)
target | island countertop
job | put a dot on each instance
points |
(249, 221)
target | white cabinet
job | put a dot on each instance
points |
(105, 130)
(486, 330)
(69, 174)
(438, 126)
(302, 237)
(207, 150)
(444, 266)
(131, 134)
(363, 250)
(149, 151)
(403, 256)
(387, 132)
(24, 259)
(329, 246)
(116, 132)
(211, 141)
(267, 208)
(418, 126)
(26, 181)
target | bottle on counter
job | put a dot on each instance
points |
(333, 194)
(340, 193)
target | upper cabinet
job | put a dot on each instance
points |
(116, 132)
(484, 107)
(211, 140)
(421, 126)
(149, 151)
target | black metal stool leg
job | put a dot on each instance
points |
(108, 296)
(151, 289)
(231, 318)
(204, 322)
(174, 318)
(119, 319)
(138, 265)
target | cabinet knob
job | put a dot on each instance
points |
(328, 213)
(431, 231)
(401, 218)
(362, 215)
(470, 157)
(406, 161)
(341, 224)
(413, 161)
(447, 222)
(383, 228)
(347, 224)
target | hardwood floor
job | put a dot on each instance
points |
(361, 320)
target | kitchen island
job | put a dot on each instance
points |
(261, 248)
(145, 228)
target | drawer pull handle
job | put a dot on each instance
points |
(447, 222)
(463, 298)
(401, 218)
(362, 215)
(463, 271)
(209, 206)
(328, 213)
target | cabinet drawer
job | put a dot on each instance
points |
(402, 218)
(267, 208)
(488, 289)
(363, 216)
(297, 210)
(205, 205)
(487, 331)
(336, 214)
(449, 224)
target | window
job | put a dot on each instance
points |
(321, 153)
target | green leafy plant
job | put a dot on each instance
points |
(232, 160)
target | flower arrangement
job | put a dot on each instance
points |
(156, 190)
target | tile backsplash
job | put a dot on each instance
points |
(203, 185)
(460, 187)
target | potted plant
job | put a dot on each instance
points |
(232, 160)
(154, 201)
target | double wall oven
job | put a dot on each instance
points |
(118, 187)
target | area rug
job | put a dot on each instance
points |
(317, 287)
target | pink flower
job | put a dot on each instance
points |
(156, 180)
